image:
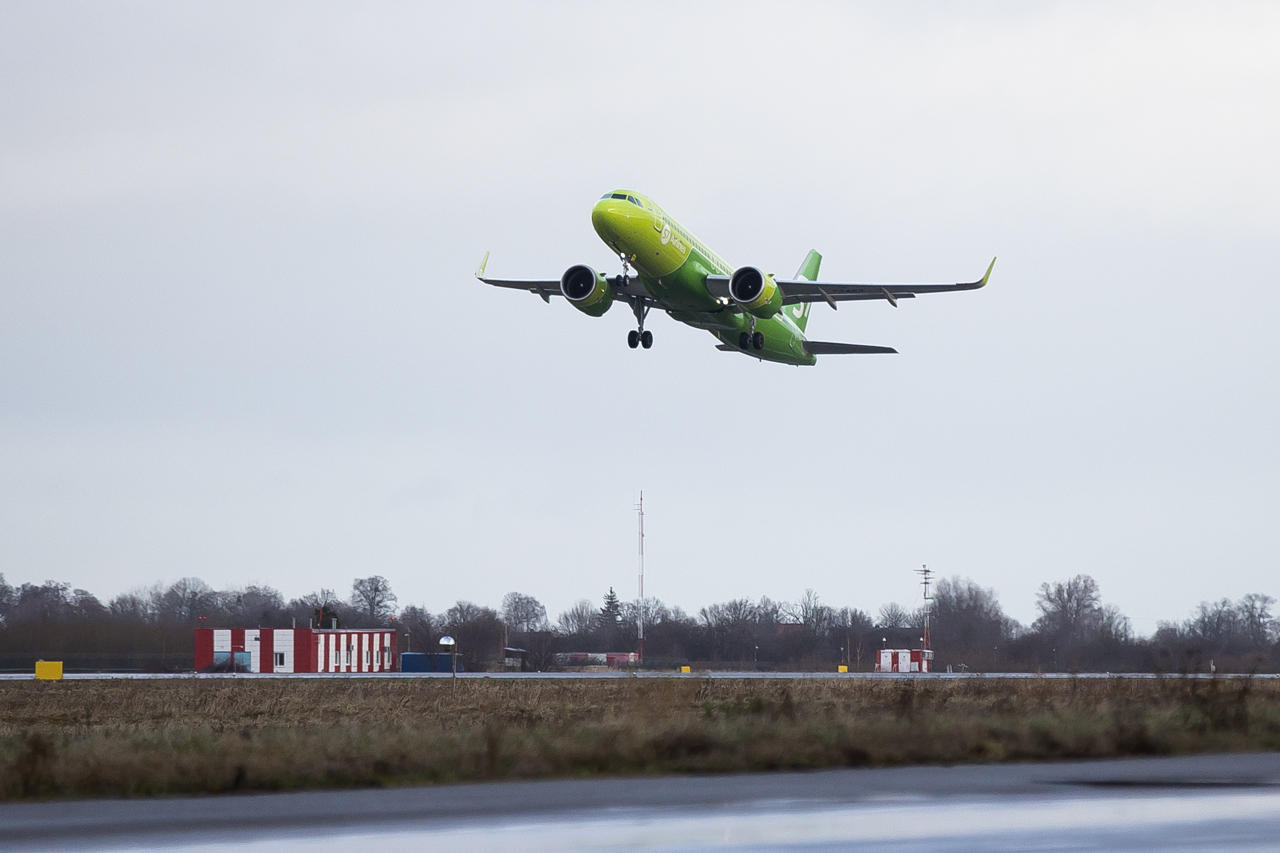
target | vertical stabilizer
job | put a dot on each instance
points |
(808, 272)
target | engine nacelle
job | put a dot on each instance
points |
(586, 290)
(755, 292)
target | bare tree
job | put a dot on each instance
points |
(131, 607)
(420, 628)
(1114, 626)
(254, 604)
(85, 605)
(7, 598)
(733, 628)
(578, 620)
(523, 612)
(1070, 611)
(476, 629)
(320, 608)
(1256, 622)
(184, 601)
(966, 621)
(893, 615)
(816, 617)
(373, 597)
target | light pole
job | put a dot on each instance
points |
(447, 642)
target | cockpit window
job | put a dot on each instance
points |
(606, 195)
(622, 196)
(632, 199)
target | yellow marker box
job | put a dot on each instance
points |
(49, 670)
(684, 669)
(842, 668)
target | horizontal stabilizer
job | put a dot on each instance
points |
(828, 348)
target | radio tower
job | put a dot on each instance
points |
(926, 573)
(640, 603)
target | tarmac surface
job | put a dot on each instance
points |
(1213, 802)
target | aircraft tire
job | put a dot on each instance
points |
(757, 340)
(633, 339)
(646, 339)
(744, 341)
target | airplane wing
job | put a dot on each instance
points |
(831, 292)
(543, 287)
(828, 348)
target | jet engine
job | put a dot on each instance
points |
(586, 290)
(755, 292)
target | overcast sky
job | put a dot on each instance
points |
(240, 338)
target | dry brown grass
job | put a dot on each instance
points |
(122, 738)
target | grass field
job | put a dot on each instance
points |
(131, 738)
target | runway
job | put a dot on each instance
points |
(1217, 802)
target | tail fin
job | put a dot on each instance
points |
(808, 272)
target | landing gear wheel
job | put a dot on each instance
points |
(744, 341)
(633, 339)
(757, 340)
(646, 339)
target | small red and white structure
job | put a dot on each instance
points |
(905, 660)
(613, 660)
(298, 649)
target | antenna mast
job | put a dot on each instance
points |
(926, 573)
(640, 603)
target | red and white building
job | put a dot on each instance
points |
(298, 649)
(905, 660)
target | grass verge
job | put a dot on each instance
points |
(138, 738)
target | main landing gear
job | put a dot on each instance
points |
(752, 339)
(639, 337)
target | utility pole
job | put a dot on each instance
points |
(926, 573)
(640, 603)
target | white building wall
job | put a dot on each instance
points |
(282, 643)
(253, 645)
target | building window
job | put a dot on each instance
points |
(279, 658)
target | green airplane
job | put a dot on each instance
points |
(748, 311)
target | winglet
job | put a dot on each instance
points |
(480, 271)
(982, 282)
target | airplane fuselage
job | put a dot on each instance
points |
(671, 268)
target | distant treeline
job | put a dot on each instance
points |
(151, 630)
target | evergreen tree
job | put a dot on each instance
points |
(611, 613)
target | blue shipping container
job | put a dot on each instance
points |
(429, 662)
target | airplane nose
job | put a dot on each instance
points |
(607, 218)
